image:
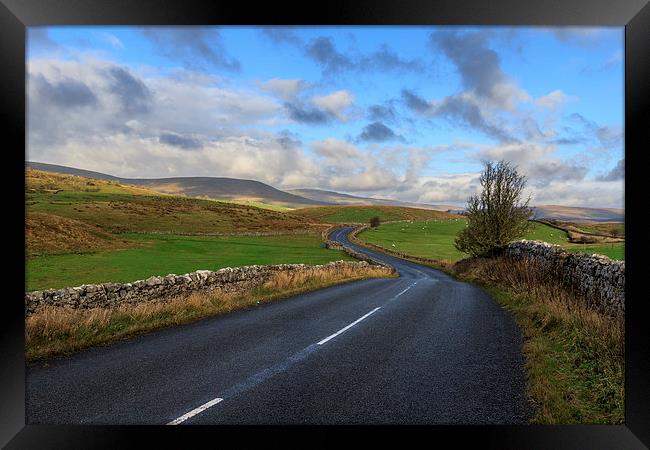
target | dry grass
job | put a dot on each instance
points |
(38, 181)
(574, 354)
(57, 331)
(48, 234)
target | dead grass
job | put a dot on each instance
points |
(574, 354)
(56, 331)
(38, 181)
(48, 234)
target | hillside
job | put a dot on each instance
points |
(50, 234)
(117, 208)
(577, 214)
(217, 188)
(363, 214)
(347, 199)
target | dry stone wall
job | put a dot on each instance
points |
(598, 278)
(161, 288)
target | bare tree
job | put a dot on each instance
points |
(497, 215)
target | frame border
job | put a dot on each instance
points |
(16, 15)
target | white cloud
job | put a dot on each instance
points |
(113, 40)
(138, 122)
(284, 88)
(553, 100)
(335, 103)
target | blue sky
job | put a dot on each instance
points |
(401, 112)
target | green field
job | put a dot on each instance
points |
(552, 235)
(429, 239)
(164, 254)
(435, 239)
(363, 214)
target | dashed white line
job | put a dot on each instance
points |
(195, 411)
(213, 402)
(348, 327)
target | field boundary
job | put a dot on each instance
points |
(574, 236)
(163, 288)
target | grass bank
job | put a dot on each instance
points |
(158, 254)
(574, 354)
(60, 331)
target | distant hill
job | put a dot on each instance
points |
(347, 199)
(363, 213)
(63, 210)
(217, 188)
(252, 192)
(577, 214)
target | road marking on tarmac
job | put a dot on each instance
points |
(332, 336)
(263, 375)
(195, 411)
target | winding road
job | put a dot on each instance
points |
(419, 349)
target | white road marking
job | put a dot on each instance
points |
(195, 411)
(213, 402)
(405, 290)
(348, 327)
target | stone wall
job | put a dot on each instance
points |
(161, 288)
(599, 279)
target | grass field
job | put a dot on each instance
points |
(363, 214)
(430, 239)
(435, 239)
(164, 254)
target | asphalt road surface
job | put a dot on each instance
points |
(418, 349)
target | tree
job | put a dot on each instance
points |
(497, 215)
(375, 221)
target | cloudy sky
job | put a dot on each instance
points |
(409, 113)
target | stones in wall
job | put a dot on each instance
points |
(161, 288)
(598, 278)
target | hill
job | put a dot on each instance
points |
(117, 208)
(363, 214)
(347, 199)
(217, 188)
(88, 230)
(577, 214)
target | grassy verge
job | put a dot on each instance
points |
(60, 331)
(574, 354)
(155, 254)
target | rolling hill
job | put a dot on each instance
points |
(363, 213)
(113, 207)
(577, 214)
(259, 194)
(347, 199)
(217, 188)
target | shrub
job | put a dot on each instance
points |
(497, 215)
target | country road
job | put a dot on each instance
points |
(421, 349)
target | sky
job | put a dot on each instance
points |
(407, 113)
